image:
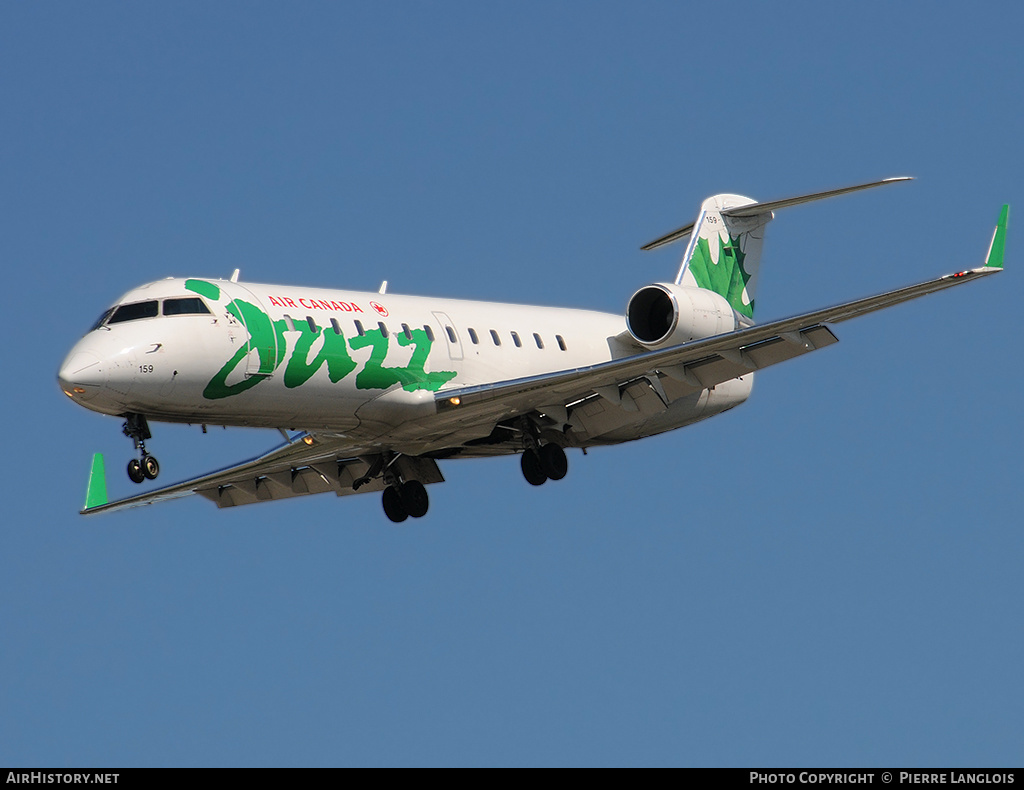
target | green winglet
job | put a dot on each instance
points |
(994, 259)
(96, 493)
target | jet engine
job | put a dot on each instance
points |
(664, 314)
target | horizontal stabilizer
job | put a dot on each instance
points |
(670, 237)
(753, 209)
(760, 208)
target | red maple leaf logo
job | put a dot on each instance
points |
(380, 309)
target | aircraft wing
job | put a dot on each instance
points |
(700, 364)
(292, 469)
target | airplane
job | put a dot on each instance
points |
(381, 387)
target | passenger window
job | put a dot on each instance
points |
(495, 338)
(383, 329)
(289, 323)
(132, 312)
(359, 328)
(430, 333)
(472, 336)
(407, 331)
(516, 340)
(188, 306)
(336, 326)
(451, 334)
(538, 341)
(561, 342)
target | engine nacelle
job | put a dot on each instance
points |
(664, 314)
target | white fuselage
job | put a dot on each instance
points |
(361, 365)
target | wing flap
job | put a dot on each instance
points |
(728, 364)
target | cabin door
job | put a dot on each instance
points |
(262, 341)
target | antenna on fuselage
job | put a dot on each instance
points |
(234, 275)
(383, 287)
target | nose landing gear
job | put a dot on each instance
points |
(146, 467)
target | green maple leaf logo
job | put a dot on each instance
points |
(727, 277)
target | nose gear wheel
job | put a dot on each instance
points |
(145, 467)
(135, 473)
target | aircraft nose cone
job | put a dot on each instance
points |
(81, 376)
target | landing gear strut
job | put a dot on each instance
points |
(146, 467)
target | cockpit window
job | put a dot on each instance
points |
(185, 306)
(131, 312)
(102, 319)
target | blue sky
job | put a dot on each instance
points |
(829, 575)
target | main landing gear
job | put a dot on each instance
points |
(548, 462)
(540, 462)
(402, 498)
(146, 467)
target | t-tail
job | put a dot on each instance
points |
(723, 251)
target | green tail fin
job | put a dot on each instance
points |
(96, 492)
(994, 259)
